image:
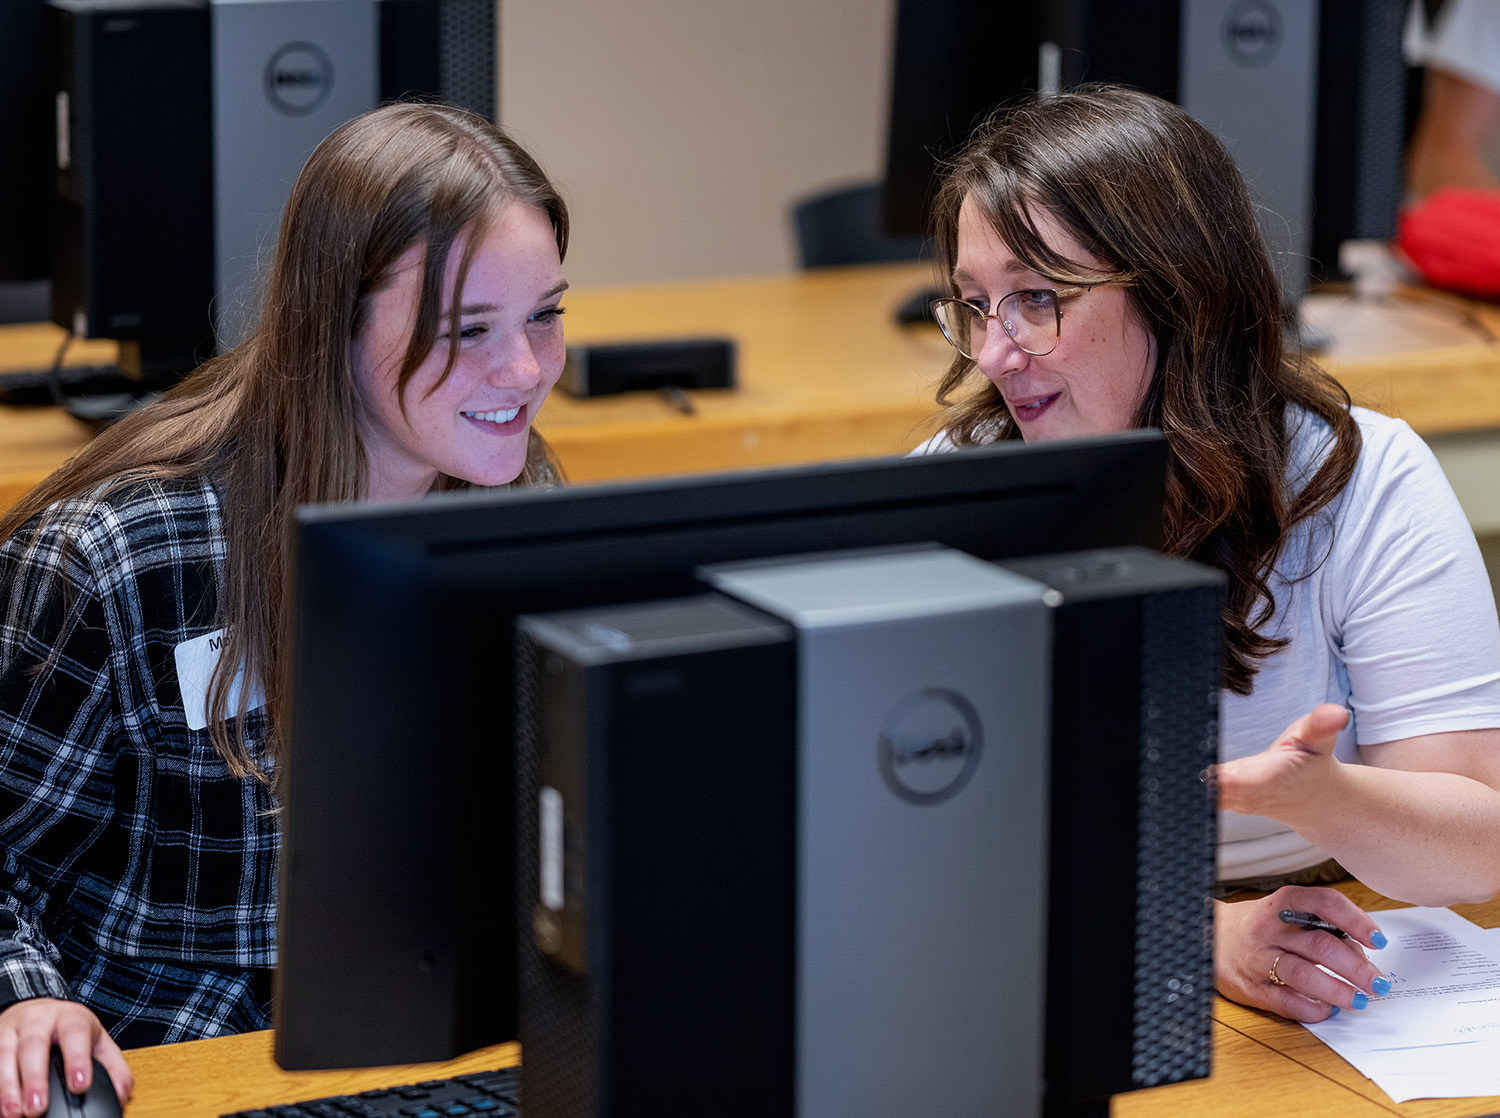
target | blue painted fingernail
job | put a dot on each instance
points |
(1377, 938)
(1381, 985)
(1333, 1011)
(1361, 1000)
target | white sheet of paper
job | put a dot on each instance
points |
(1445, 986)
(1468, 1084)
(1443, 1071)
(1435, 1035)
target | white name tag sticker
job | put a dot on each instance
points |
(196, 661)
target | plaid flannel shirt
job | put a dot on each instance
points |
(136, 875)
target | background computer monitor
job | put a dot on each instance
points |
(397, 941)
(956, 60)
(26, 170)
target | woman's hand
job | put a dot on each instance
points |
(1260, 961)
(1294, 776)
(29, 1029)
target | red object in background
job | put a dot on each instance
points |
(1452, 238)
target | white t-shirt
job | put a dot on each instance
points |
(1465, 41)
(1392, 617)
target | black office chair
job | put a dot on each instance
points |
(842, 226)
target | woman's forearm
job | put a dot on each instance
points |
(1430, 838)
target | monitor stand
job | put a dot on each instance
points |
(99, 395)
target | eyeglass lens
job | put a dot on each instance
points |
(1030, 318)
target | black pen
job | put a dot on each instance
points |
(1313, 921)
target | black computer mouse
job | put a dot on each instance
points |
(99, 1101)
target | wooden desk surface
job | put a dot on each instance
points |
(1430, 358)
(825, 372)
(210, 1077)
(1297, 1044)
(1264, 1067)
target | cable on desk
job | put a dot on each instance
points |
(54, 374)
(678, 399)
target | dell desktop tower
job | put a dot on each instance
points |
(132, 243)
(179, 127)
(787, 856)
(655, 821)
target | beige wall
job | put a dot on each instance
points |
(680, 131)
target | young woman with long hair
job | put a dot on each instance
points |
(410, 329)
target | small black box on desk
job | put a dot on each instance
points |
(603, 370)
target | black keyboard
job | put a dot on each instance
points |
(495, 1094)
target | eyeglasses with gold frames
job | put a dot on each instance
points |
(1031, 317)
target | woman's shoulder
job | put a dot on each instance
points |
(1384, 440)
(141, 514)
(943, 441)
(1379, 430)
(1396, 482)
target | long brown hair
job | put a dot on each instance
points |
(1155, 198)
(272, 421)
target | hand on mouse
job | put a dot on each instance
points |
(28, 1031)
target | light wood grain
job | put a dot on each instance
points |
(34, 346)
(824, 372)
(228, 1074)
(1439, 367)
(1248, 1081)
(1264, 1067)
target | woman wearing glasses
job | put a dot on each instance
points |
(1106, 272)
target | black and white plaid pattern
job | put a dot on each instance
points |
(136, 875)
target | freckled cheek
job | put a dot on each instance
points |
(550, 353)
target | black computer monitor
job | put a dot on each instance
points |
(26, 170)
(396, 929)
(956, 61)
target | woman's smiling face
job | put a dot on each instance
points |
(1093, 383)
(475, 423)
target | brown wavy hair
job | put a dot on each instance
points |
(1155, 198)
(273, 420)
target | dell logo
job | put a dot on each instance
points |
(1252, 32)
(298, 78)
(929, 746)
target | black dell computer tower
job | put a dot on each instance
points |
(180, 126)
(132, 242)
(1135, 714)
(656, 820)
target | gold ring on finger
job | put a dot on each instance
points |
(1275, 981)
